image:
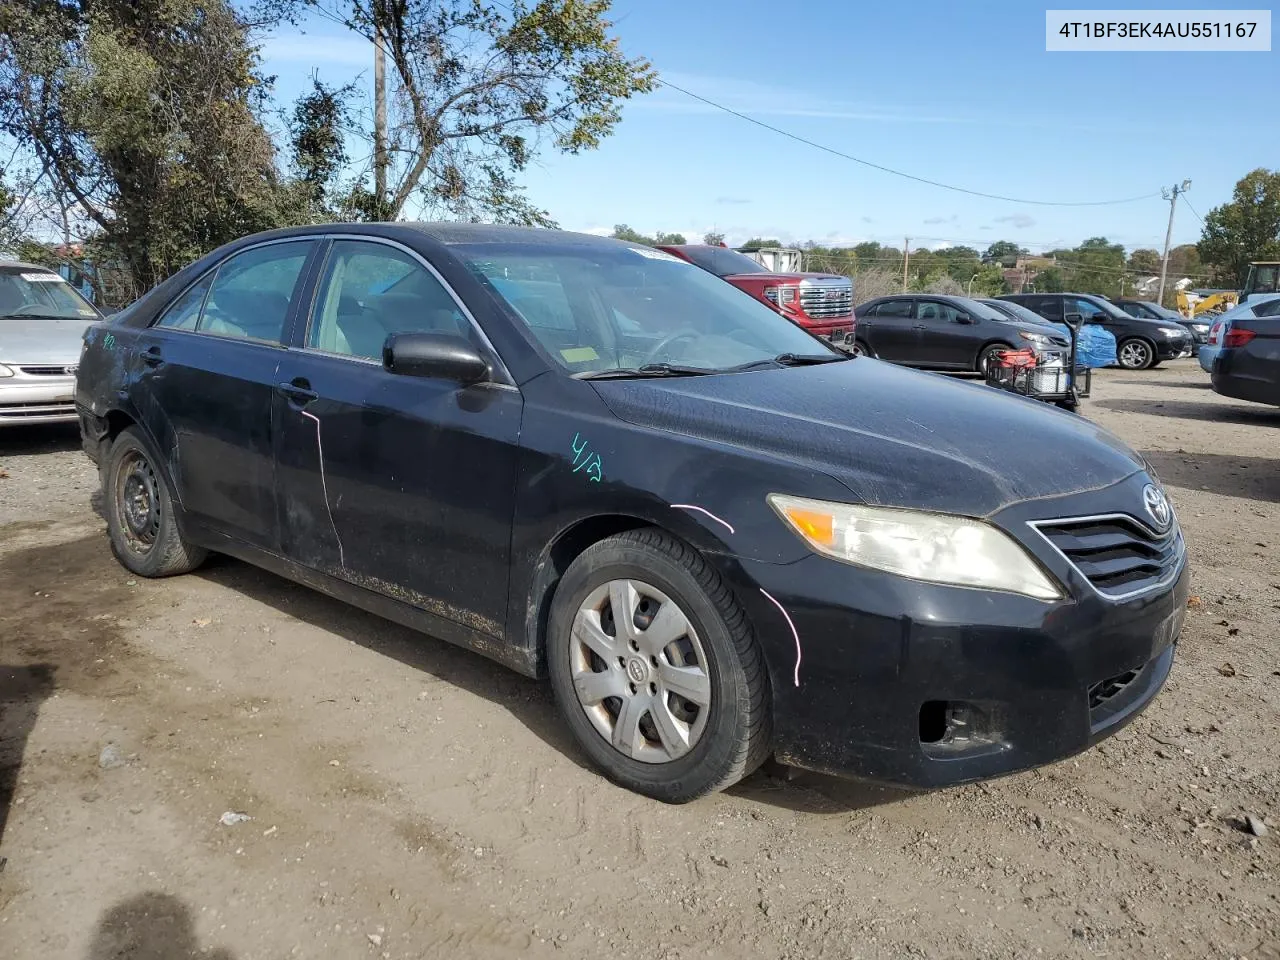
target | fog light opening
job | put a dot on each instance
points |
(933, 721)
(963, 726)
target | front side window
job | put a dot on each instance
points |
(41, 294)
(572, 298)
(1048, 307)
(937, 312)
(370, 291)
(1090, 311)
(251, 292)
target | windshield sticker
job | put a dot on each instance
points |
(42, 278)
(584, 459)
(86, 311)
(579, 354)
(651, 254)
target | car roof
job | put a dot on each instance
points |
(445, 233)
(23, 265)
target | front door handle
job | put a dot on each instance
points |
(152, 356)
(920, 326)
(298, 390)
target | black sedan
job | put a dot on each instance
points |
(946, 333)
(1248, 365)
(1140, 343)
(1198, 327)
(717, 537)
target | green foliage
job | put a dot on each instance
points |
(671, 238)
(1003, 250)
(1052, 280)
(623, 232)
(317, 149)
(1245, 229)
(1144, 262)
(759, 243)
(711, 238)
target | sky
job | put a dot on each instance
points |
(962, 93)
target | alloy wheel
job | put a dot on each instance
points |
(1135, 355)
(640, 671)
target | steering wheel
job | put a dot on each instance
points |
(687, 333)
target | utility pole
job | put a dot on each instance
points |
(971, 279)
(379, 117)
(1171, 195)
(906, 259)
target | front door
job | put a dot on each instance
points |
(943, 340)
(207, 382)
(403, 485)
(890, 330)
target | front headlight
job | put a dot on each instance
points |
(1172, 331)
(1200, 327)
(1039, 339)
(937, 547)
(5, 371)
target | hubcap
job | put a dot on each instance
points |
(640, 671)
(137, 496)
(1133, 355)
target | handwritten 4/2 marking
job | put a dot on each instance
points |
(584, 459)
(109, 342)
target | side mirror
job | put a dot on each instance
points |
(963, 318)
(1074, 320)
(442, 356)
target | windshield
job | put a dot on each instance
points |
(1160, 311)
(1016, 311)
(601, 308)
(41, 293)
(722, 261)
(979, 308)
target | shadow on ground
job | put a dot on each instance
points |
(1254, 415)
(1253, 478)
(150, 926)
(529, 701)
(22, 441)
(22, 690)
(1179, 384)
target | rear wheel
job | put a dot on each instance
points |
(139, 508)
(990, 356)
(656, 670)
(1135, 354)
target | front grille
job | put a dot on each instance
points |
(1117, 554)
(21, 411)
(1104, 690)
(827, 301)
(47, 371)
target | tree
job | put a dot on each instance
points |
(318, 151)
(713, 239)
(623, 232)
(670, 238)
(1050, 280)
(1246, 229)
(1144, 262)
(757, 243)
(478, 88)
(141, 122)
(1002, 250)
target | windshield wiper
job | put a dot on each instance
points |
(645, 371)
(792, 360)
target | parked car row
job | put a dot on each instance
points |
(1140, 343)
(718, 537)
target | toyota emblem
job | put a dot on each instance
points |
(1157, 506)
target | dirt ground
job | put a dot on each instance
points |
(409, 799)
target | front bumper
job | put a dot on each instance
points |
(37, 400)
(922, 685)
(1175, 348)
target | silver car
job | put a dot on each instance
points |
(42, 323)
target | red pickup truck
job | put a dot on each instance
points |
(822, 303)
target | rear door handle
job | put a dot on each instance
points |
(152, 356)
(920, 326)
(298, 390)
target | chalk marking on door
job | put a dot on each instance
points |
(342, 560)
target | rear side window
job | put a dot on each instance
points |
(250, 295)
(184, 313)
(894, 308)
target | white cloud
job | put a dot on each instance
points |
(1019, 221)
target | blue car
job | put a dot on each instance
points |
(1210, 349)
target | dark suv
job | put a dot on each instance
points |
(1198, 327)
(945, 333)
(1139, 343)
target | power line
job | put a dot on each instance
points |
(1192, 209)
(897, 173)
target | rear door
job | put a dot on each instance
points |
(890, 331)
(403, 485)
(208, 376)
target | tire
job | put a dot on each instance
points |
(139, 510)
(861, 349)
(987, 354)
(1135, 354)
(716, 743)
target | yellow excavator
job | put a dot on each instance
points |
(1191, 304)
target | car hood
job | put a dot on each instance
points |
(38, 340)
(786, 277)
(893, 436)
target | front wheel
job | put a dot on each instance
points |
(990, 356)
(656, 670)
(861, 349)
(140, 517)
(1135, 354)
